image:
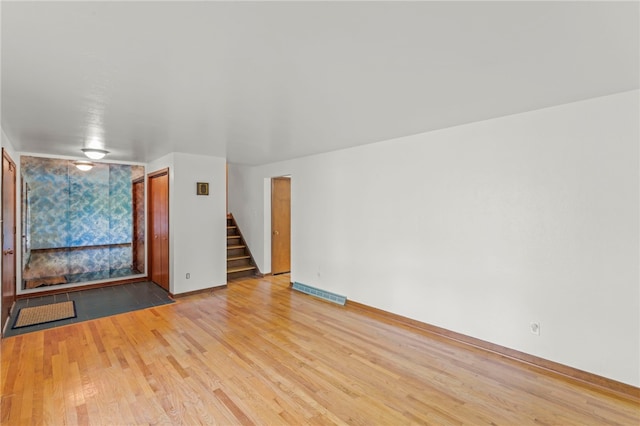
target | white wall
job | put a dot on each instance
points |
(6, 144)
(480, 229)
(197, 224)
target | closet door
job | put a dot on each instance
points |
(280, 225)
(159, 228)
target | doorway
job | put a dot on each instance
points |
(159, 228)
(77, 225)
(280, 225)
(8, 236)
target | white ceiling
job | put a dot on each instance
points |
(266, 81)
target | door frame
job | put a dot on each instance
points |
(149, 236)
(271, 209)
(3, 319)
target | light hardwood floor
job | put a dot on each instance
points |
(260, 353)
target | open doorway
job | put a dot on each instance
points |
(77, 224)
(280, 225)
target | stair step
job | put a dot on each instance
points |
(240, 269)
(239, 260)
(229, 259)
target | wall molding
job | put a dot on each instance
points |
(203, 290)
(605, 384)
(79, 248)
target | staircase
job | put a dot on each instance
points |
(239, 260)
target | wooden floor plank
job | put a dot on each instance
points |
(257, 352)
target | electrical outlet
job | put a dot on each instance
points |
(535, 328)
(188, 275)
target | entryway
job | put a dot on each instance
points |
(93, 303)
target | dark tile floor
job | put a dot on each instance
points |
(94, 303)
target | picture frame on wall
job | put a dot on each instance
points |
(202, 188)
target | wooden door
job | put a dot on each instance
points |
(137, 198)
(159, 228)
(8, 236)
(280, 225)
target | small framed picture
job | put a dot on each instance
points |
(203, 188)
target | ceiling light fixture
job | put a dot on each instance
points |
(94, 153)
(83, 165)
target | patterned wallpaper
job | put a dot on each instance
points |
(69, 208)
(48, 181)
(88, 217)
